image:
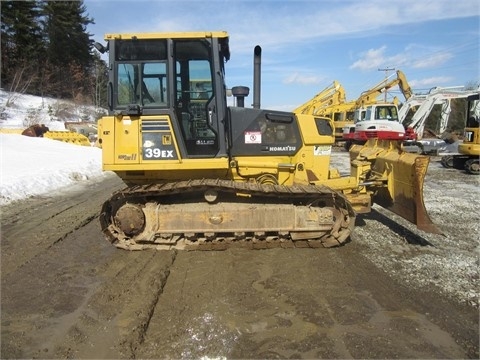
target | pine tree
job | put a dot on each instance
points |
(69, 47)
(22, 45)
(46, 50)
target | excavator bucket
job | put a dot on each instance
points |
(396, 179)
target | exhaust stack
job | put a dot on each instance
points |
(257, 61)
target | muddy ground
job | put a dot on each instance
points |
(392, 292)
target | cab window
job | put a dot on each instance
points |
(141, 73)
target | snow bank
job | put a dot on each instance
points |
(35, 166)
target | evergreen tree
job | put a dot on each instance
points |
(46, 50)
(22, 45)
(68, 50)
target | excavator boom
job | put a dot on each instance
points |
(332, 95)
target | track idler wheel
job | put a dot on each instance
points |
(130, 219)
(447, 161)
(472, 166)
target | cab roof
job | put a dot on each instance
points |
(169, 35)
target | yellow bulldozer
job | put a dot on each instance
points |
(202, 175)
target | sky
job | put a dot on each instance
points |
(309, 44)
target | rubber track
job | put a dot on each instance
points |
(287, 194)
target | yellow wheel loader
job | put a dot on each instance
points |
(202, 175)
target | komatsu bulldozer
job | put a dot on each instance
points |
(203, 175)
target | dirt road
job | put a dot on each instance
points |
(67, 293)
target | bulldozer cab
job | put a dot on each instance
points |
(167, 101)
(179, 77)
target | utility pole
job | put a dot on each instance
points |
(387, 69)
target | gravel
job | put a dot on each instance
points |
(448, 262)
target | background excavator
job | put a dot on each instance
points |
(430, 141)
(386, 122)
(203, 175)
(331, 103)
(333, 94)
(375, 118)
(468, 157)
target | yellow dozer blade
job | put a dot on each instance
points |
(69, 137)
(10, 131)
(396, 177)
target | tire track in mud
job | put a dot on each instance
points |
(153, 288)
(292, 303)
(33, 226)
(65, 289)
(82, 298)
(115, 319)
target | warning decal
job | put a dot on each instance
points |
(253, 137)
(319, 150)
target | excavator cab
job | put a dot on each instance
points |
(468, 157)
(380, 121)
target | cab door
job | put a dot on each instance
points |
(195, 98)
